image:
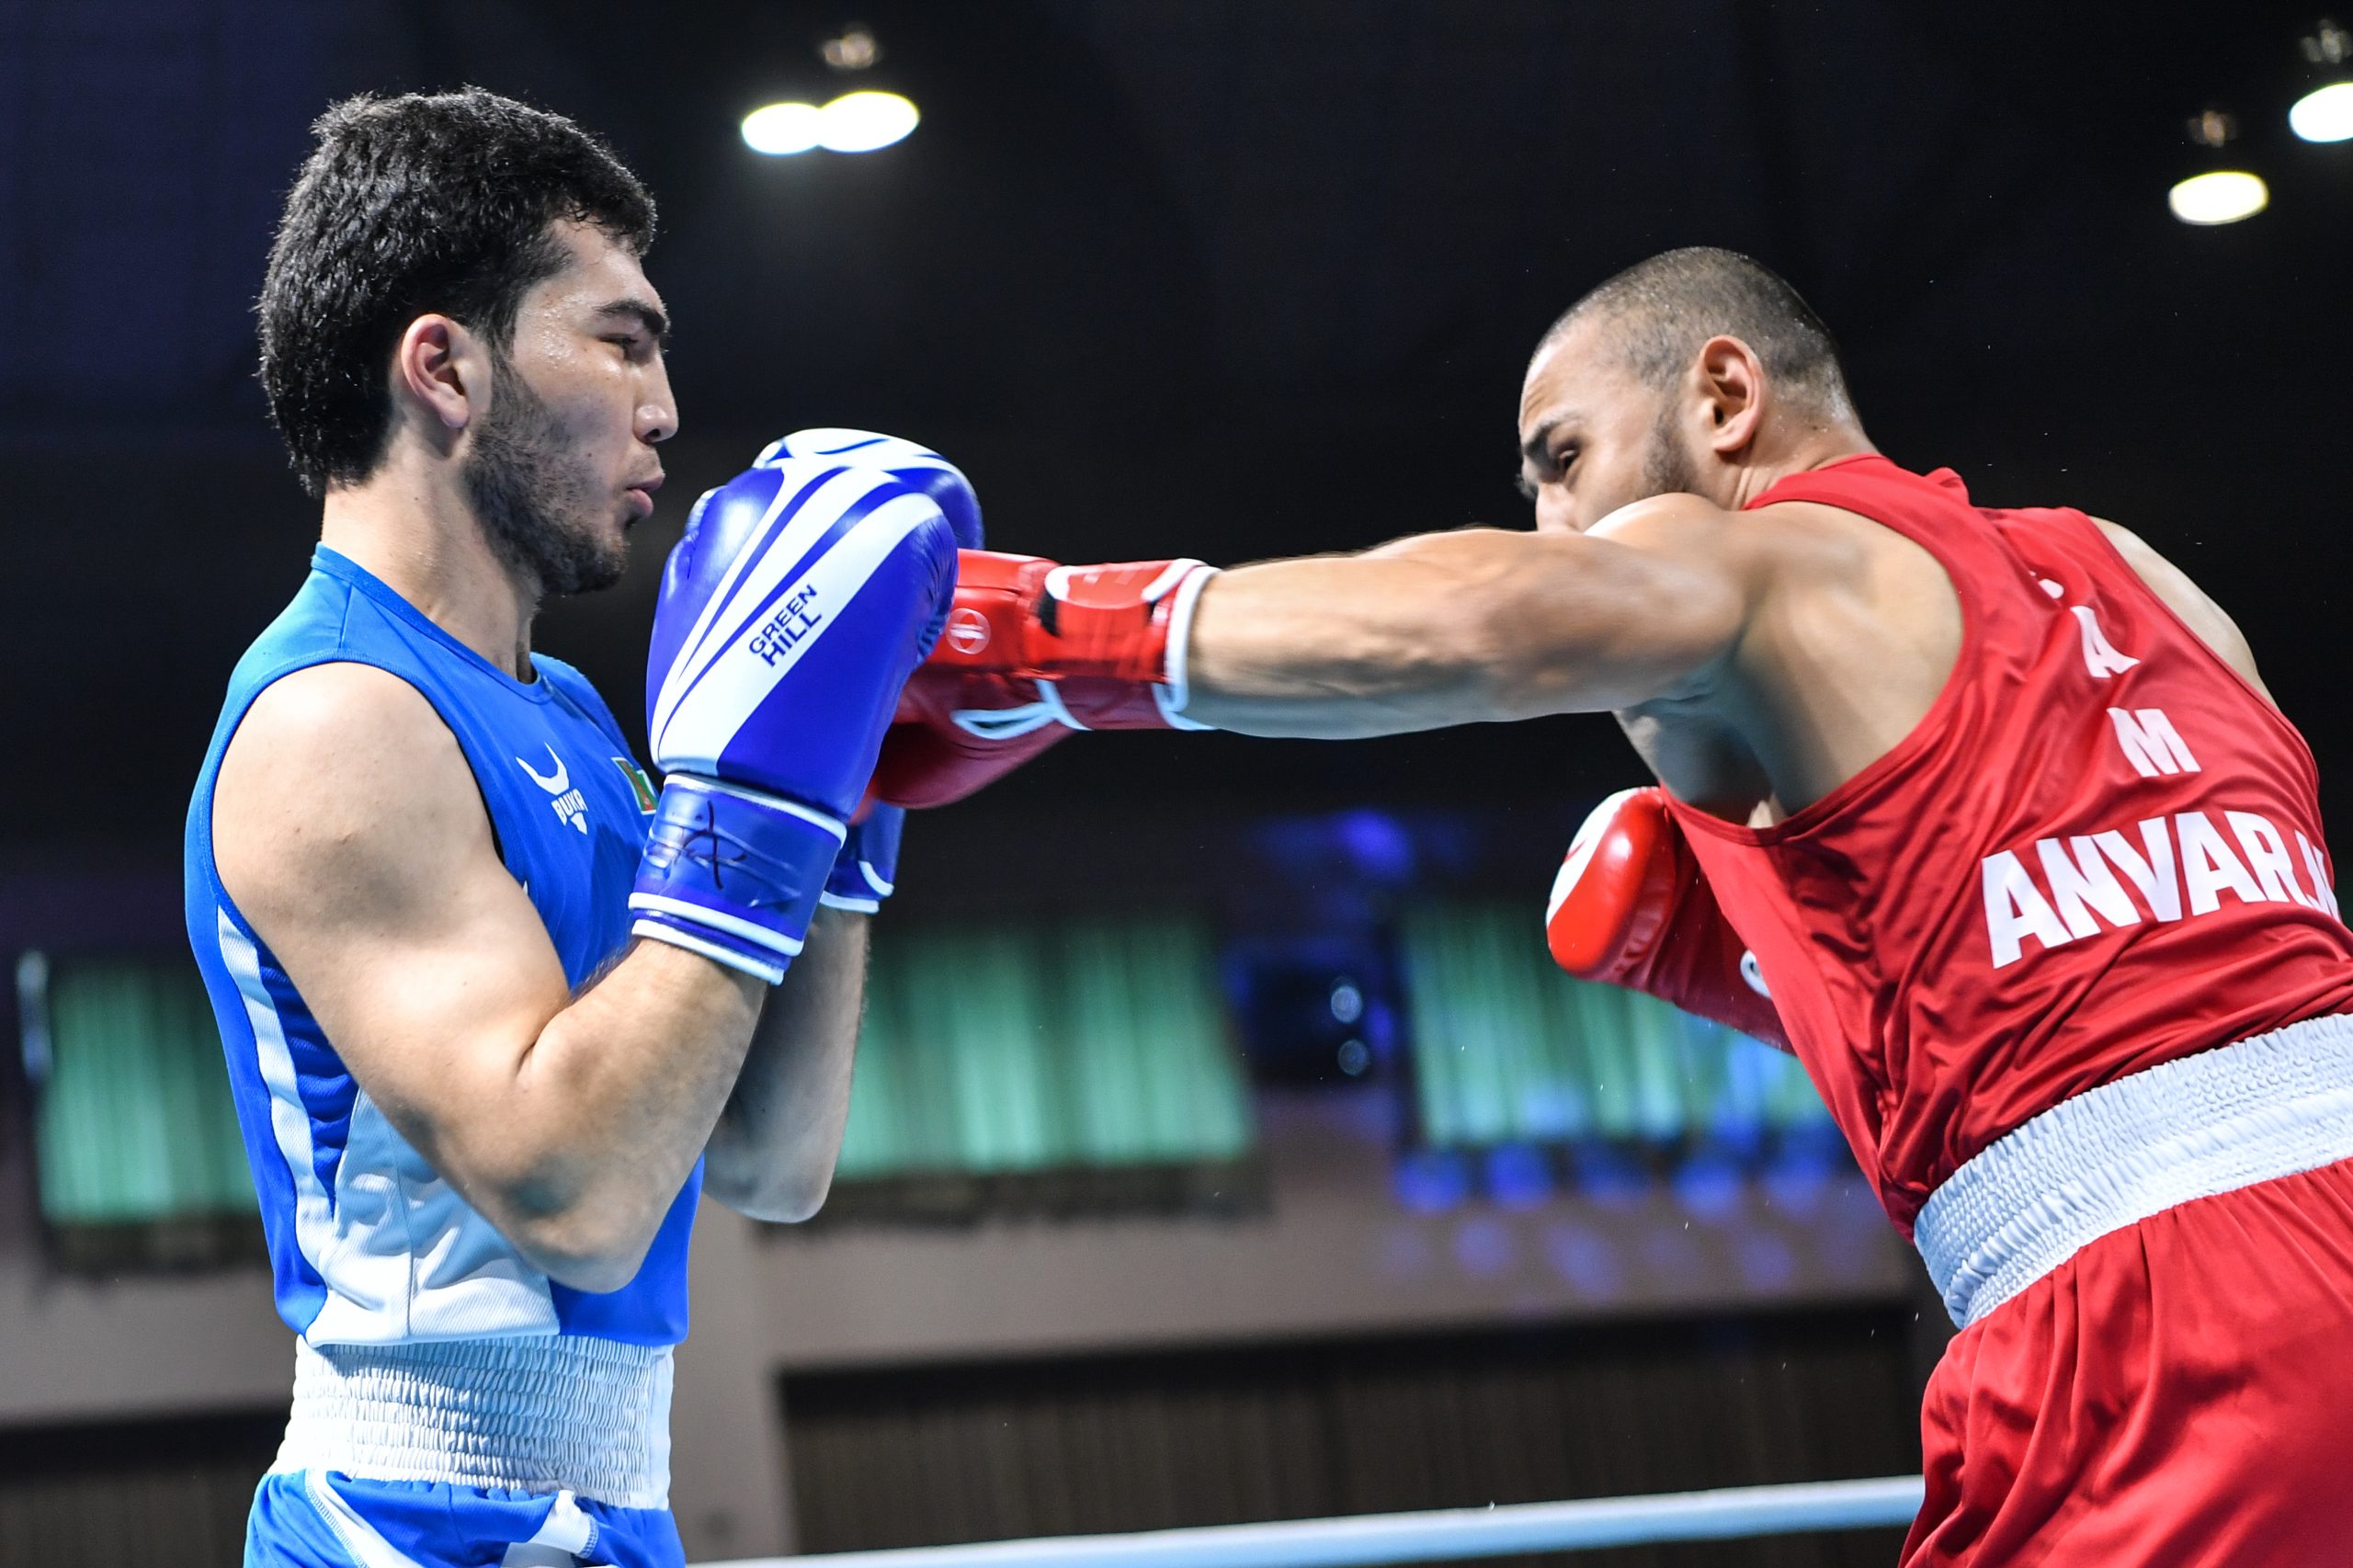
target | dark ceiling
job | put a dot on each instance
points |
(1181, 276)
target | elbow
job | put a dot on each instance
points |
(582, 1253)
(582, 1237)
(584, 1218)
(782, 1192)
(793, 1205)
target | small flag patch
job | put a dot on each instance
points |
(639, 784)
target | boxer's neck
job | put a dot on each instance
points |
(412, 525)
(1812, 447)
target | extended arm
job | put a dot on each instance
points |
(1475, 626)
(350, 834)
(1460, 627)
(772, 1154)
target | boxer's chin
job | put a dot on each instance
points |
(595, 559)
(538, 502)
(564, 555)
(539, 520)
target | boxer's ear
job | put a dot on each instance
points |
(438, 371)
(1732, 382)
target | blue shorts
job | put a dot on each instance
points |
(317, 1518)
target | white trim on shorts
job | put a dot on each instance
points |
(2266, 1107)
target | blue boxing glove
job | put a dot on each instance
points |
(801, 595)
(868, 864)
(917, 468)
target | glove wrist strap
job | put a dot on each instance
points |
(734, 874)
(1175, 691)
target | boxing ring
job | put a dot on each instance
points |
(1439, 1535)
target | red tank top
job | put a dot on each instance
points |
(2099, 850)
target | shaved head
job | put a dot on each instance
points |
(1656, 314)
(1693, 372)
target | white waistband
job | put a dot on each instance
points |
(551, 1412)
(2266, 1107)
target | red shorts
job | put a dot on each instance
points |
(2176, 1394)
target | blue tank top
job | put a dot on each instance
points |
(368, 1245)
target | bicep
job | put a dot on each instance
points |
(350, 834)
(2208, 619)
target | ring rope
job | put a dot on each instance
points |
(1441, 1534)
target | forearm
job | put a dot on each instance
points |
(772, 1153)
(1339, 647)
(609, 1106)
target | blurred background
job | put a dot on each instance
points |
(1224, 1146)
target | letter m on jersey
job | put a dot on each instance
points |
(2151, 743)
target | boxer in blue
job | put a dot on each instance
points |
(496, 1011)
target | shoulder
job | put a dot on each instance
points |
(1671, 519)
(2168, 581)
(2161, 575)
(2181, 594)
(1755, 546)
(1663, 519)
(340, 777)
(339, 714)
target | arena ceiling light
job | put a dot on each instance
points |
(2219, 196)
(2213, 192)
(781, 130)
(855, 122)
(861, 122)
(2325, 113)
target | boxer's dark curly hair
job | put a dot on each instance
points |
(438, 202)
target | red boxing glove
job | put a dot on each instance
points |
(1122, 628)
(1632, 907)
(1032, 651)
(957, 731)
(930, 759)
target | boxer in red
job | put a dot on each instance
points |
(2028, 861)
